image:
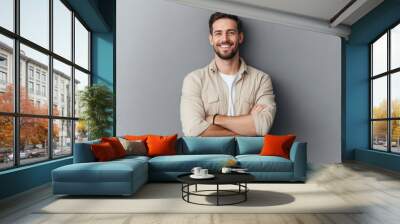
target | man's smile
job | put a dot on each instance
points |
(225, 46)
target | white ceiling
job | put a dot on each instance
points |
(319, 9)
(314, 15)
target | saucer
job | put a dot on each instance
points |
(208, 176)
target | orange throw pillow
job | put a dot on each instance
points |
(161, 145)
(277, 145)
(103, 151)
(116, 145)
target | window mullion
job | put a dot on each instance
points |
(389, 112)
(16, 84)
(73, 81)
(50, 81)
(371, 139)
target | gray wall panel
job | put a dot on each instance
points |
(159, 42)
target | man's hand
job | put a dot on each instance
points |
(256, 109)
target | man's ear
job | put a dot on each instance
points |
(210, 38)
(241, 37)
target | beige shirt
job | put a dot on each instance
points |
(205, 93)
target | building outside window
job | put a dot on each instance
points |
(34, 75)
(3, 61)
(30, 87)
(43, 90)
(3, 72)
(43, 77)
(30, 72)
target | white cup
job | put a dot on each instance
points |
(196, 171)
(203, 172)
(226, 170)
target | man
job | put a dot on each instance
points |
(227, 97)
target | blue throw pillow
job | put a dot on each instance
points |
(208, 145)
(249, 145)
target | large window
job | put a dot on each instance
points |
(385, 91)
(44, 64)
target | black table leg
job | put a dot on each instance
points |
(217, 194)
(245, 193)
(188, 190)
(196, 188)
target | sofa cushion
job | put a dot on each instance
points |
(134, 147)
(83, 152)
(103, 152)
(249, 145)
(185, 163)
(111, 171)
(277, 145)
(161, 145)
(132, 158)
(257, 163)
(116, 144)
(208, 145)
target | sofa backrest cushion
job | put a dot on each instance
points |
(83, 152)
(249, 145)
(207, 145)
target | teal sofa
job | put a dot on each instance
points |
(125, 176)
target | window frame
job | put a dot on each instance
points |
(388, 74)
(16, 114)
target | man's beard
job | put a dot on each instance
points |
(228, 56)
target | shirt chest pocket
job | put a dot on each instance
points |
(211, 104)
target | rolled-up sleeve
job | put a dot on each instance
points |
(192, 108)
(265, 95)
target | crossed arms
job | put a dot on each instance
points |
(233, 125)
(195, 121)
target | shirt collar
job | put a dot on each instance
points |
(212, 67)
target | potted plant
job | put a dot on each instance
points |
(96, 102)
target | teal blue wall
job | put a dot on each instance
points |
(24, 178)
(102, 59)
(103, 62)
(356, 86)
(99, 15)
(103, 51)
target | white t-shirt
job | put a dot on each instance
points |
(230, 82)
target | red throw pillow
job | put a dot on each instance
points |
(116, 145)
(277, 145)
(161, 145)
(103, 151)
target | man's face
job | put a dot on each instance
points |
(225, 38)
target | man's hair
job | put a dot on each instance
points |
(219, 15)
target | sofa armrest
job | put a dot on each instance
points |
(298, 155)
(83, 152)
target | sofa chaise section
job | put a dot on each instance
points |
(87, 177)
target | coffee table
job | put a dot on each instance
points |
(238, 179)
